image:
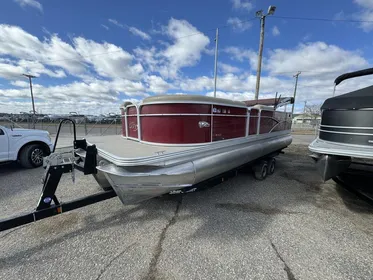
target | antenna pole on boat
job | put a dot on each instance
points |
(295, 90)
(216, 60)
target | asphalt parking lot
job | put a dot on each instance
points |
(290, 226)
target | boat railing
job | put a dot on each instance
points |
(132, 129)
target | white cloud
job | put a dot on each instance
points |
(317, 59)
(157, 85)
(107, 60)
(367, 4)
(196, 85)
(239, 96)
(226, 68)
(275, 31)
(17, 43)
(137, 32)
(115, 22)
(115, 63)
(243, 55)
(186, 50)
(97, 90)
(234, 83)
(105, 26)
(10, 69)
(365, 14)
(148, 57)
(32, 3)
(239, 25)
(20, 83)
(242, 5)
(209, 51)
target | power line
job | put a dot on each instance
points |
(324, 19)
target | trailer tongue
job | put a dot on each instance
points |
(56, 165)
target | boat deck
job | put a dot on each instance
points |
(126, 152)
(341, 149)
(126, 148)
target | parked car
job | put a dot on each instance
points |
(28, 146)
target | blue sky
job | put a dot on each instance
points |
(89, 56)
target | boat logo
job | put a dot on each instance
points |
(202, 124)
(133, 126)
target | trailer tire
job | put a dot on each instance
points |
(261, 170)
(31, 156)
(271, 166)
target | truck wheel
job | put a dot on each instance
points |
(261, 170)
(271, 166)
(31, 156)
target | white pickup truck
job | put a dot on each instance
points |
(28, 146)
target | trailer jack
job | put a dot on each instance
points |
(56, 164)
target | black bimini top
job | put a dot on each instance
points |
(358, 99)
(360, 73)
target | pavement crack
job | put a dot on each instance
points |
(152, 271)
(255, 208)
(103, 270)
(286, 267)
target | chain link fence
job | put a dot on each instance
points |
(111, 125)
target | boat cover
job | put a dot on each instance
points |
(355, 74)
(358, 99)
(270, 101)
(185, 98)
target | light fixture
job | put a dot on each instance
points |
(271, 10)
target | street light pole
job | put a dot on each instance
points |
(271, 11)
(32, 97)
(295, 90)
(216, 60)
(259, 68)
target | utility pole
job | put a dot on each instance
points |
(32, 97)
(271, 11)
(295, 89)
(216, 60)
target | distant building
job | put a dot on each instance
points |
(306, 119)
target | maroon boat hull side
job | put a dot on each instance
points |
(176, 109)
(175, 130)
(183, 123)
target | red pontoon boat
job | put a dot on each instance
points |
(174, 142)
(169, 144)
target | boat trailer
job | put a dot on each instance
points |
(55, 166)
(59, 163)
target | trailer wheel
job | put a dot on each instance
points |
(261, 170)
(271, 166)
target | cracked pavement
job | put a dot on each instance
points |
(289, 226)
